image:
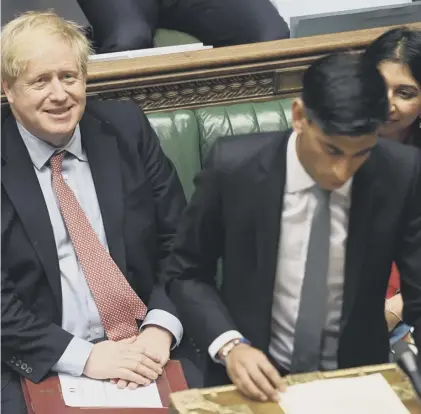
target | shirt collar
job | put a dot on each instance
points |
(40, 151)
(297, 177)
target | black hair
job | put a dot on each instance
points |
(344, 96)
(400, 45)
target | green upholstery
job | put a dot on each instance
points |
(166, 37)
(221, 121)
(187, 135)
(179, 135)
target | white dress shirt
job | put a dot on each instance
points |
(298, 210)
(80, 315)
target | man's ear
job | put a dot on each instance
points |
(7, 89)
(299, 120)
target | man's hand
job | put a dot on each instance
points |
(153, 340)
(253, 374)
(127, 359)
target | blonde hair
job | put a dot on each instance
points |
(16, 34)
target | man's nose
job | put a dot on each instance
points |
(342, 170)
(58, 92)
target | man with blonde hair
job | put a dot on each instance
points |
(90, 205)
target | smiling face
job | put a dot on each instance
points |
(404, 98)
(49, 97)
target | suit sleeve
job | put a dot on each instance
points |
(409, 255)
(190, 274)
(169, 203)
(30, 344)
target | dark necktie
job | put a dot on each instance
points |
(313, 301)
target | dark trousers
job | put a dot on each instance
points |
(131, 24)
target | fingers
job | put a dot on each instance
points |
(263, 384)
(122, 384)
(273, 375)
(140, 349)
(247, 386)
(138, 366)
(132, 376)
(152, 356)
(132, 386)
(147, 362)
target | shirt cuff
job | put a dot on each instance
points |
(219, 342)
(74, 358)
(167, 321)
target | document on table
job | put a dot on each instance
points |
(363, 395)
(86, 392)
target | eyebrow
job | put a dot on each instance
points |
(357, 154)
(407, 86)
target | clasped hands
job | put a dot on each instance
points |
(131, 362)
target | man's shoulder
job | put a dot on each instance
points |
(397, 158)
(236, 150)
(112, 110)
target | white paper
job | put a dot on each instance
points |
(86, 392)
(165, 50)
(363, 395)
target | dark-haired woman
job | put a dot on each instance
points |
(397, 54)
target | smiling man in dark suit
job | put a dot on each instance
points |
(89, 209)
(307, 223)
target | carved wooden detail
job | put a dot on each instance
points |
(198, 92)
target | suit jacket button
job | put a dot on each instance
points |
(24, 366)
(18, 363)
(13, 360)
(28, 370)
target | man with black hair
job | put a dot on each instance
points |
(307, 223)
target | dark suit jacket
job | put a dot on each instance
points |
(235, 214)
(141, 200)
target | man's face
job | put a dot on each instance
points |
(330, 160)
(49, 97)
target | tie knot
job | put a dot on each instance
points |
(321, 194)
(56, 162)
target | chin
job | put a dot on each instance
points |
(59, 137)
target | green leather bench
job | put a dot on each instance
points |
(187, 135)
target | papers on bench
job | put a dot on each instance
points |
(129, 54)
(292, 8)
(86, 392)
(363, 395)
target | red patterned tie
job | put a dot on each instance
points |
(117, 303)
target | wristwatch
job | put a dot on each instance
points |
(226, 349)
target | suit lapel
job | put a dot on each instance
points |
(22, 186)
(268, 209)
(360, 217)
(100, 143)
